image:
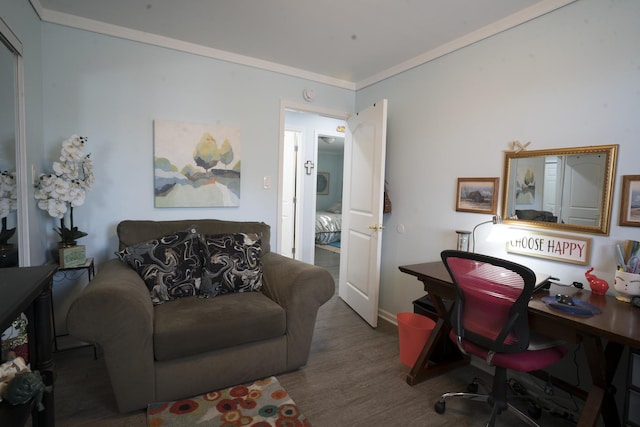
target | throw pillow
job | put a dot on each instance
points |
(170, 266)
(232, 263)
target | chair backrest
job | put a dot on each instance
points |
(492, 303)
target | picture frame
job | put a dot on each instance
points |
(477, 195)
(322, 183)
(630, 201)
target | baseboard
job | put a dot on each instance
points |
(389, 317)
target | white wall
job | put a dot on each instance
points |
(569, 78)
(111, 90)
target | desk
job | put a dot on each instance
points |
(619, 325)
(28, 289)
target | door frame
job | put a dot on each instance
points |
(306, 108)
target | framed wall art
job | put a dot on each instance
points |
(322, 183)
(479, 195)
(630, 201)
(196, 165)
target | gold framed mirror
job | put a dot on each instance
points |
(560, 189)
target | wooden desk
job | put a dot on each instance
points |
(28, 289)
(619, 325)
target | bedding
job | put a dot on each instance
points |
(328, 227)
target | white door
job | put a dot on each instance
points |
(289, 206)
(582, 192)
(365, 146)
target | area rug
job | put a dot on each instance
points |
(259, 404)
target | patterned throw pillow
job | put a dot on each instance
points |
(232, 263)
(170, 266)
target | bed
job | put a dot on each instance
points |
(328, 227)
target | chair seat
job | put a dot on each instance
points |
(529, 360)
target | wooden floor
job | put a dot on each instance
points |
(354, 377)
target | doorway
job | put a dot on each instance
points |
(310, 181)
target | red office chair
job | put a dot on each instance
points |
(490, 321)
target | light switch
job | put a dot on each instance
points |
(266, 182)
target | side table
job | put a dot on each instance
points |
(89, 267)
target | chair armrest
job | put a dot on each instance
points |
(115, 311)
(301, 289)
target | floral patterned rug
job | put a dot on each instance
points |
(259, 404)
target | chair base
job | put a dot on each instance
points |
(498, 407)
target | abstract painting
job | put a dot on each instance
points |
(196, 165)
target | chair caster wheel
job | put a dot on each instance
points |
(439, 407)
(472, 388)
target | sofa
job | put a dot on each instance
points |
(194, 344)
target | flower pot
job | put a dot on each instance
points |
(71, 255)
(8, 255)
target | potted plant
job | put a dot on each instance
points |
(64, 189)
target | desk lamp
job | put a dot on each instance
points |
(496, 219)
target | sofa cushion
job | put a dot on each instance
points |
(135, 231)
(191, 326)
(232, 263)
(170, 266)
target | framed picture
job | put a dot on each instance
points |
(322, 184)
(196, 165)
(630, 201)
(477, 195)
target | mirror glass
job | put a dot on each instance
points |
(10, 50)
(566, 189)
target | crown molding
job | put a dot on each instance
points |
(497, 27)
(485, 32)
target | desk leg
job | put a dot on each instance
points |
(603, 363)
(422, 370)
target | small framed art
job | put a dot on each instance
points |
(479, 195)
(630, 201)
(322, 183)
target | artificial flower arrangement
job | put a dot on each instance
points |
(8, 204)
(59, 192)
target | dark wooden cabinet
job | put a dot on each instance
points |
(28, 290)
(632, 398)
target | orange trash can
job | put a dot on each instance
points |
(413, 333)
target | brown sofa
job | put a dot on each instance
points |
(192, 345)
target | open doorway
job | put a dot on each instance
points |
(311, 188)
(328, 223)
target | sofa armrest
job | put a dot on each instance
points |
(115, 311)
(301, 289)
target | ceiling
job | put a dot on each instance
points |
(350, 43)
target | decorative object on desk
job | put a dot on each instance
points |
(477, 195)
(630, 201)
(463, 240)
(23, 387)
(263, 402)
(598, 286)
(65, 188)
(579, 308)
(628, 284)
